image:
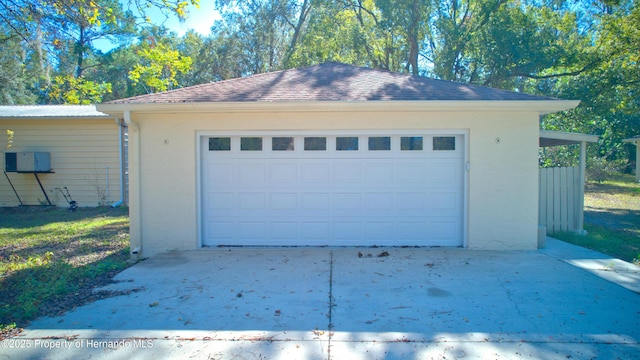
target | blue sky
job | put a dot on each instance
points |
(200, 20)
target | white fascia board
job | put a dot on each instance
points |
(537, 106)
(567, 136)
(50, 111)
(634, 140)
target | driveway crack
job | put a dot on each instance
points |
(331, 305)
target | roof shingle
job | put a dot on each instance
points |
(328, 82)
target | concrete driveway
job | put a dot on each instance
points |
(563, 302)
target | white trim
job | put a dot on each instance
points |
(538, 106)
(202, 134)
(465, 191)
(199, 223)
(574, 138)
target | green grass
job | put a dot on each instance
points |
(52, 259)
(612, 219)
(618, 244)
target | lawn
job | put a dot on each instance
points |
(612, 219)
(52, 259)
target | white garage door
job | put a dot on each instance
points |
(388, 190)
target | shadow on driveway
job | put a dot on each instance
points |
(323, 303)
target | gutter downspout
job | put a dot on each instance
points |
(135, 206)
(122, 169)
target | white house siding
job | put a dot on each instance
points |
(502, 196)
(84, 158)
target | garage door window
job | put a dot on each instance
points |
(282, 144)
(347, 143)
(410, 143)
(315, 143)
(444, 143)
(219, 144)
(379, 143)
(251, 144)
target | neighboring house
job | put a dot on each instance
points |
(333, 155)
(77, 147)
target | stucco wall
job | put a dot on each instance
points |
(84, 157)
(502, 148)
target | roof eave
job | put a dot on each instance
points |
(554, 138)
(541, 107)
(59, 117)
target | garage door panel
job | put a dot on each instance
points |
(251, 174)
(251, 201)
(379, 173)
(350, 172)
(315, 173)
(316, 230)
(315, 201)
(350, 202)
(376, 202)
(283, 173)
(444, 232)
(284, 201)
(350, 231)
(412, 196)
(445, 202)
(445, 174)
(284, 230)
(414, 201)
(220, 202)
(380, 230)
(220, 173)
(252, 230)
(412, 231)
(221, 231)
(413, 172)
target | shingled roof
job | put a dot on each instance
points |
(329, 82)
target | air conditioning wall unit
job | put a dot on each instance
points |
(33, 162)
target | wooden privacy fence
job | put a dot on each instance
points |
(561, 205)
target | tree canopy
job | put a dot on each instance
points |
(575, 49)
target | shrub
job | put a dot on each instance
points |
(600, 169)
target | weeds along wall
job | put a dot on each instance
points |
(85, 158)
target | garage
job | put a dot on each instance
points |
(333, 155)
(340, 189)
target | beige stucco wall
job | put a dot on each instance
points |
(502, 147)
(84, 157)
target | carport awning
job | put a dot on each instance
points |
(557, 138)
